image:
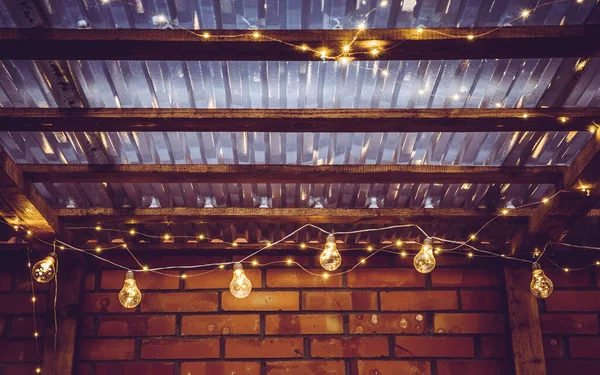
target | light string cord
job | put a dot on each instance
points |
(33, 306)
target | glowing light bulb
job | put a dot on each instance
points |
(420, 30)
(323, 53)
(98, 227)
(563, 119)
(29, 233)
(545, 200)
(45, 270)
(167, 236)
(206, 35)
(16, 227)
(303, 246)
(361, 26)
(240, 286)
(289, 261)
(525, 115)
(105, 1)
(330, 258)
(504, 211)
(425, 261)
(304, 47)
(374, 52)
(344, 60)
(384, 3)
(398, 243)
(130, 296)
(541, 286)
(98, 249)
(256, 35)
(384, 73)
(132, 232)
(346, 48)
(470, 36)
(525, 13)
(201, 237)
(38, 370)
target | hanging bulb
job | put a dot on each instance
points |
(541, 286)
(44, 270)
(130, 296)
(425, 261)
(240, 285)
(330, 258)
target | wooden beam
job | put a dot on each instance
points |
(296, 120)
(524, 318)
(273, 215)
(396, 44)
(23, 204)
(196, 173)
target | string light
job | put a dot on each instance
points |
(505, 211)
(566, 270)
(289, 261)
(240, 286)
(384, 3)
(303, 246)
(98, 228)
(374, 52)
(470, 255)
(325, 275)
(255, 262)
(470, 37)
(205, 35)
(145, 268)
(234, 244)
(184, 276)
(525, 13)
(330, 258)
(130, 296)
(344, 60)
(403, 254)
(398, 243)
(132, 232)
(38, 370)
(256, 35)
(16, 227)
(545, 200)
(346, 48)
(44, 270)
(167, 236)
(541, 286)
(420, 30)
(363, 261)
(525, 115)
(369, 248)
(563, 119)
(424, 261)
(201, 237)
(361, 26)
(98, 249)
(384, 73)
(304, 47)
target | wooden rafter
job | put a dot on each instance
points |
(396, 44)
(195, 173)
(297, 120)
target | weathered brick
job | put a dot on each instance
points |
(262, 301)
(220, 368)
(113, 280)
(584, 347)
(487, 367)
(107, 349)
(338, 347)
(574, 301)
(22, 326)
(137, 325)
(208, 325)
(18, 351)
(142, 368)
(104, 303)
(295, 278)
(494, 346)
(487, 300)
(356, 300)
(553, 346)
(425, 300)
(579, 367)
(21, 303)
(176, 348)
(180, 302)
(306, 368)
(387, 323)
(220, 279)
(303, 324)
(386, 367)
(569, 323)
(433, 346)
(469, 323)
(5, 281)
(465, 277)
(385, 278)
(241, 347)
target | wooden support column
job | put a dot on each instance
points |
(524, 318)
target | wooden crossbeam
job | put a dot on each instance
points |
(297, 120)
(195, 173)
(273, 45)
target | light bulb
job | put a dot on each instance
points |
(425, 261)
(541, 286)
(330, 258)
(130, 296)
(44, 270)
(240, 286)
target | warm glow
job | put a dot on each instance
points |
(145, 268)
(470, 255)
(132, 231)
(29, 233)
(323, 53)
(566, 269)
(498, 105)
(35, 334)
(303, 246)
(256, 35)
(15, 227)
(420, 30)
(184, 276)
(304, 47)
(472, 237)
(325, 275)
(201, 237)
(98, 249)
(563, 119)
(384, 3)
(98, 227)
(361, 26)
(105, 1)
(505, 211)
(346, 48)
(374, 52)
(398, 243)
(403, 254)
(32, 299)
(206, 35)
(545, 200)
(39, 370)
(289, 261)
(167, 236)
(344, 60)
(369, 248)
(234, 244)
(363, 261)
(525, 115)
(470, 36)
(384, 73)
(221, 266)
(525, 13)
(255, 262)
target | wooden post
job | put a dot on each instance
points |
(528, 351)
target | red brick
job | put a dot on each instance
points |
(123, 368)
(584, 347)
(338, 347)
(208, 325)
(106, 349)
(387, 323)
(104, 303)
(22, 369)
(138, 325)
(5, 281)
(385, 278)
(220, 368)
(18, 351)
(436, 346)
(465, 277)
(2, 325)
(469, 323)
(262, 301)
(295, 278)
(306, 368)
(87, 326)
(289, 347)
(179, 302)
(386, 367)
(419, 300)
(562, 367)
(22, 326)
(487, 300)
(494, 346)
(562, 279)
(487, 367)
(303, 324)
(113, 280)
(569, 323)
(339, 301)
(553, 347)
(175, 348)
(220, 279)
(574, 301)
(21, 303)
(90, 282)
